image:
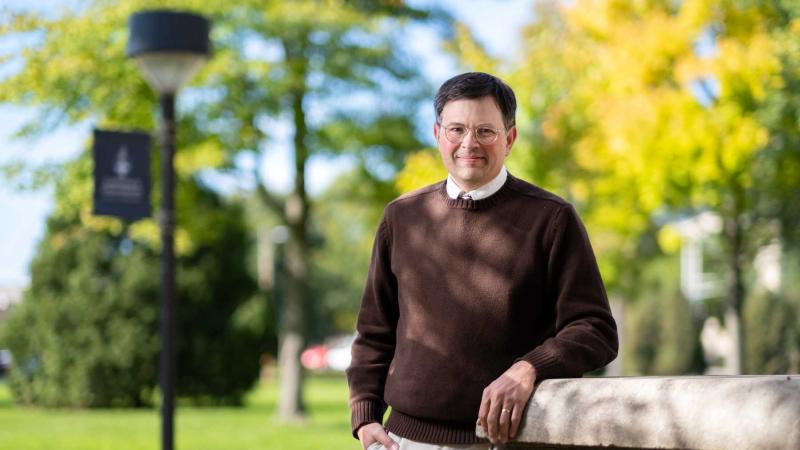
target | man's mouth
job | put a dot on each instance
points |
(470, 159)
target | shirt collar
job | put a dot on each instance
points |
(485, 191)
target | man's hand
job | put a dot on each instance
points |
(505, 400)
(374, 432)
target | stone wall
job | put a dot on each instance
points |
(702, 413)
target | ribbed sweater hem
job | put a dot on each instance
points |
(431, 432)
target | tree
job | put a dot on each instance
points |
(86, 333)
(277, 66)
(779, 168)
(636, 128)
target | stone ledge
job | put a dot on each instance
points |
(701, 413)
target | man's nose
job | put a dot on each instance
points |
(469, 140)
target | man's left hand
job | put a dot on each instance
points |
(505, 400)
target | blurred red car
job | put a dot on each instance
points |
(334, 354)
(314, 357)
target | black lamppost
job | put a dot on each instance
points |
(169, 48)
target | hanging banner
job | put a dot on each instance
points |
(122, 174)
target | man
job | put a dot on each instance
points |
(478, 287)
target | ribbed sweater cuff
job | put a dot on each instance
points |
(363, 412)
(545, 362)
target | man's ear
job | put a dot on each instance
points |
(511, 137)
(436, 131)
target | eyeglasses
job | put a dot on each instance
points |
(484, 135)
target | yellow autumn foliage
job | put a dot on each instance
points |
(421, 169)
(615, 118)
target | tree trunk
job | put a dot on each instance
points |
(290, 406)
(734, 304)
(292, 329)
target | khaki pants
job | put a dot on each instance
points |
(407, 444)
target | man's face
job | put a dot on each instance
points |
(471, 163)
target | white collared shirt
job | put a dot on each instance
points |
(482, 192)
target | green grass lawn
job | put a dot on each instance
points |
(252, 427)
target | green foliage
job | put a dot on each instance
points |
(222, 323)
(771, 333)
(779, 168)
(346, 220)
(661, 331)
(662, 337)
(86, 333)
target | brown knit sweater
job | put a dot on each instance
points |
(457, 291)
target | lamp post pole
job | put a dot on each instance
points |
(169, 47)
(167, 218)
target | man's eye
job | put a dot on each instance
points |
(486, 132)
(457, 130)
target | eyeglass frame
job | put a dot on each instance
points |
(473, 130)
